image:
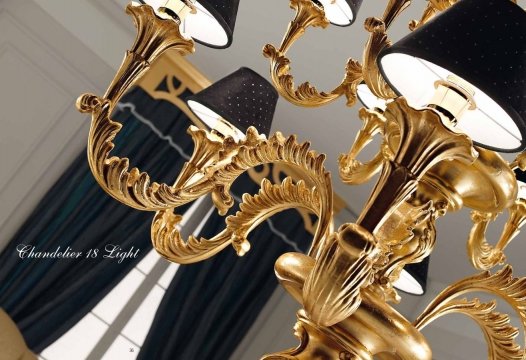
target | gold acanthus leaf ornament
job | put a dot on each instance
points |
(484, 256)
(372, 76)
(352, 170)
(271, 199)
(308, 14)
(499, 334)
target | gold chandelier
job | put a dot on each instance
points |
(433, 160)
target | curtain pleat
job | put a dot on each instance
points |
(46, 297)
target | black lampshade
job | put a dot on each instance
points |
(340, 12)
(212, 25)
(368, 99)
(481, 42)
(413, 279)
(243, 98)
(521, 182)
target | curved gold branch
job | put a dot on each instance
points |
(310, 14)
(307, 95)
(129, 186)
(167, 240)
(278, 149)
(377, 41)
(353, 171)
(155, 35)
(372, 76)
(501, 284)
(484, 256)
(307, 14)
(499, 334)
(270, 200)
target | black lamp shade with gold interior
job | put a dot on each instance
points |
(340, 12)
(243, 99)
(484, 44)
(368, 99)
(413, 279)
(211, 25)
(521, 182)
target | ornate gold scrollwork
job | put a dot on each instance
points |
(484, 256)
(410, 235)
(270, 200)
(345, 280)
(155, 35)
(353, 171)
(310, 14)
(499, 334)
(353, 256)
(418, 141)
(307, 14)
(217, 167)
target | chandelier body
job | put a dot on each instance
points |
(344, 283)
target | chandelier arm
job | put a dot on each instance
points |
(353, 171)
(277, 149)
(484, 256)
(308, 14)
(499, 333)
(254, 210)
(377, 41)
(155, 35)
(501, 284)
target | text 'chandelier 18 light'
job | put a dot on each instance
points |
(443, 99)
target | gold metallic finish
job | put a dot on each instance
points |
(131, 187)
(345, 282)
(432, 9)
(353, 171)
(484, 256)
(371, 72)
(270, 200)
(215, 165)
(418, 140)
(307, 14)
(410, 235)
(345, 265)
(374, 329)
(499, 334)
(178, 9)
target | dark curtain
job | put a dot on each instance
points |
(46, 297)
(209, 307)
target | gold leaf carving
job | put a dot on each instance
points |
(270, 200)
(499, 334)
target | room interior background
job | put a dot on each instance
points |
(72, 59)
